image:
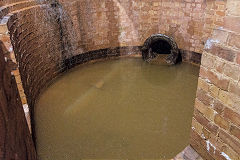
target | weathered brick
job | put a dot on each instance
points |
(230, 152)
(206, 133)
(203, 72)
(223, 83)
(234, 40)
(220, 35)
(232, 71)
(212, 77)
(220, 82)
(233, 102)
(204, 97)
(208, 61)
(205, 123)
(233, 7)
(218, 106)
(220, 13)
(219, 65)
(214, 91)
(202, 84)
(234, 88)
(197, 126)
(232, 23)
(205, 110)
(223, 52)
(221, 122)
(238, 58)
(15, 139)
(232, 142)
(233, 116)
(224, 97)
(235, 131)
(200, 145)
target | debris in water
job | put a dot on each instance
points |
(99, 84)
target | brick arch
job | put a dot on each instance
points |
(148, 54)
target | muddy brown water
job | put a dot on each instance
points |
(121, 109)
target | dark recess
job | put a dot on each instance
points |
(160, 44)
(161, 47)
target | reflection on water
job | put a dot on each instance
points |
(122, 108)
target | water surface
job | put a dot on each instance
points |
(126, 109)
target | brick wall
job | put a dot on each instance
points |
(45, 35)
(216, 122)
(103, 24)
(38, 47)
(15, 139)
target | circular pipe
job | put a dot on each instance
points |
(149, 55)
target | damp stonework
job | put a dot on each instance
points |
(191, 57)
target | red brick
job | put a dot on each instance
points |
(220, 13)
(234, 117)
(221, 122)
(232, 23)
(206, 133)
(223, 83)
(212, 77)
(203, 72)
(218, 106)
(219, 82)
(228, 139)
(234, 40)
(233, 7)
(223, 52)
(220, 35)
(235, 89)
(219, 23)
(199, 145)
(206, 123)
(219, 66)
(15, 139)
(232, 71)
(238, 58)
(202, 84)
(235, 131)
(204, 97)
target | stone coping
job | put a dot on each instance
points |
(188, 154)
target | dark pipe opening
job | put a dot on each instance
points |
(160, 44)
(161, 47)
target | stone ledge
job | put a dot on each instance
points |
(188, 154)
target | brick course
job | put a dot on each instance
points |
(220, 68)
(15, 139)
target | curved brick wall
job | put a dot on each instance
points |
(104, 24)
(15, 139)
(37, 43)
(50, 37)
